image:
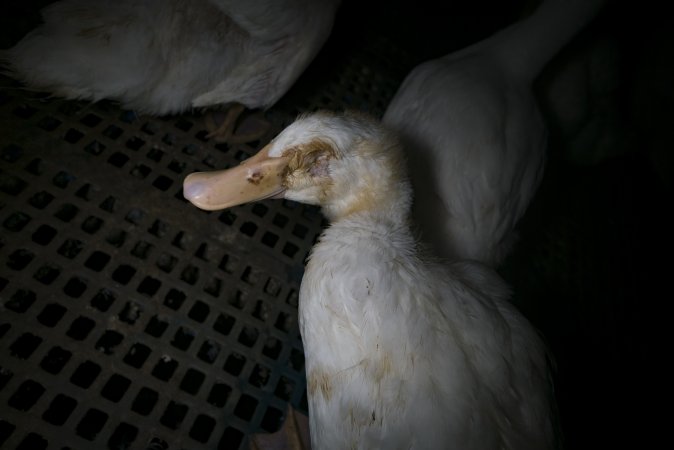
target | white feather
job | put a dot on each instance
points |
(166, 56)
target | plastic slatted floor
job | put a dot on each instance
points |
(128, 318)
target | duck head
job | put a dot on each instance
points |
(346, 163)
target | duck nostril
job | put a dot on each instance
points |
(255, 177)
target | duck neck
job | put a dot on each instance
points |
(390, 203)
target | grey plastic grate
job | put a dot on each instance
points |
(128, 318)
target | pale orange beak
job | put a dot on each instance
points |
(256, 178)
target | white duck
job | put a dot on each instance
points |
(167, 56)
(475, 137)
(402, 352)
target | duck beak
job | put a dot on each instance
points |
(257, 178)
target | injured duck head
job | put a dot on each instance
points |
(346, 163)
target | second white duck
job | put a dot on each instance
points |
(167, 56)
(475, 137)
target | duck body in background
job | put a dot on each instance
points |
(167, 56)
(474, 133)
(402, 351)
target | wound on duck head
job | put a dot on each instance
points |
(347, 163)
